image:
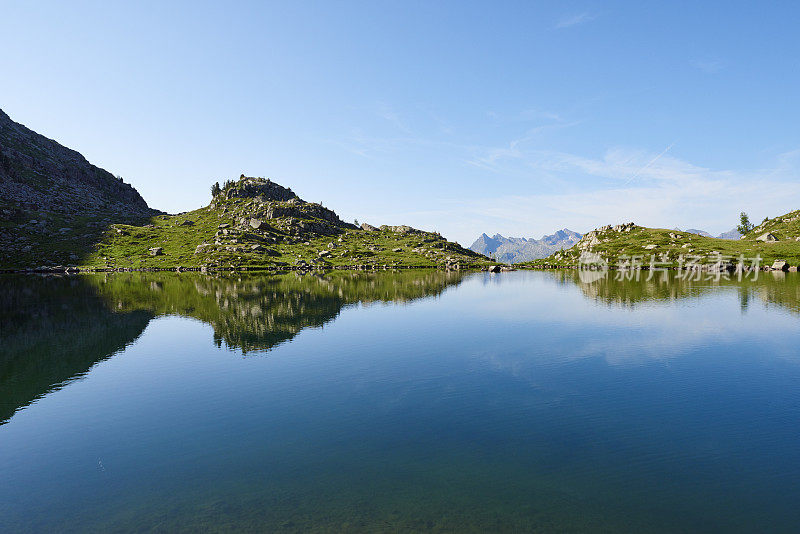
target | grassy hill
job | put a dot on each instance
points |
(616, 243)
(256, 223)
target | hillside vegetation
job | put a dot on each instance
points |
(618, 244)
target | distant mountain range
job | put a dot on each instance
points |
(519, 249)
(730, 234)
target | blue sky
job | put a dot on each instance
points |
(462, 117)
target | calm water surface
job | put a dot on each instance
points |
(427, 401)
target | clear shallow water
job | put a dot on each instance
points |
(426, 401)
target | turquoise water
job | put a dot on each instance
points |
(523, 401)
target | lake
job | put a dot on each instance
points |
(411, 401)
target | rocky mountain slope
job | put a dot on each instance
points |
(520, 249)
(773, 240)
(49, 190)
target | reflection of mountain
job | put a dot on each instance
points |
(782, 289)
(259, 312)
(56, 328)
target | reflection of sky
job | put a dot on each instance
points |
(627, 334)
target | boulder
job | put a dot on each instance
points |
(768, 237)
(368, 227)
(187, 222)
(780, 265)
(495, 269)
(258, 224)
(156, 251)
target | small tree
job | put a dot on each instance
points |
(744, 224)
(215, 189)
(356, 222)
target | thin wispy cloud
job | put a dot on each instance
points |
(556, 189)
(709, 65)
(386, 112)
(668, 192)
(574, 20)
(649, 164)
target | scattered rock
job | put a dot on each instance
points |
(401, 229)
(156, 251)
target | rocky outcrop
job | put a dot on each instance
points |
(263, 188)
(592, 239)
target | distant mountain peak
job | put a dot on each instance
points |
(519, 249)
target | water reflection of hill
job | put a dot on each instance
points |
(258, 312)
(56, 328)
(777, 288)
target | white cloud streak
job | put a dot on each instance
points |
(574, 20)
